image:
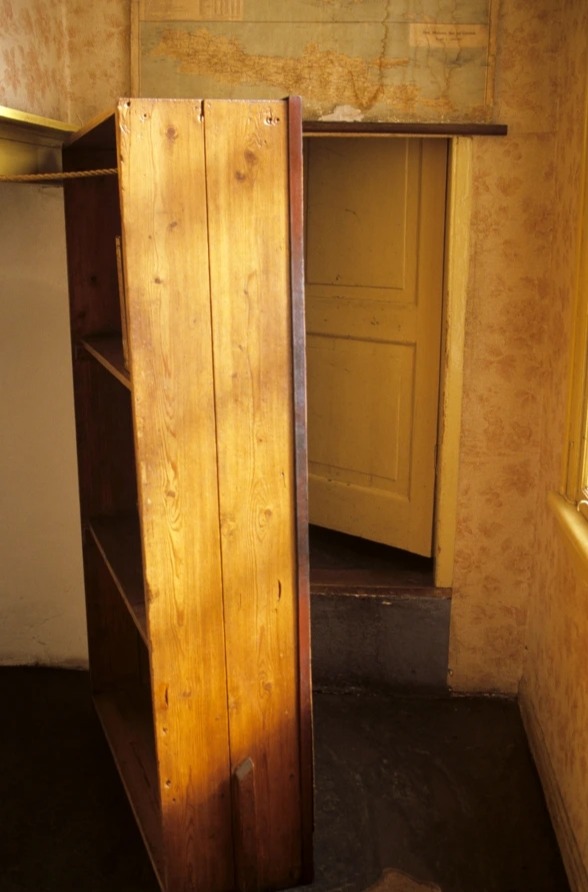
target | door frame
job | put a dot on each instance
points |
(456, 266)
(455, 288)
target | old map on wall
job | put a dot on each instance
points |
(354, 60)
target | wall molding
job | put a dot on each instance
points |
(30, 143)
(455, 293)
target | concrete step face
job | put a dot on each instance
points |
(397, 640)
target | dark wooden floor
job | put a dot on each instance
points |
(442, 788)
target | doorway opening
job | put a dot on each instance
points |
(374, 257)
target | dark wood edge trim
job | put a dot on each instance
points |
(89, 127)
(301, 482)
(404, 128)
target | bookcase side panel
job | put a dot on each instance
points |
(296, 202)
(247, 181)
(104, 435)
(165, 248)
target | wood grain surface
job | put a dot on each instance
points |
(166, 270)
(192, 471)
(247, 187)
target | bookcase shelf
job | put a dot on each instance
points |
(187, 269)
(119, 542)
(108, 350)
(126, 719)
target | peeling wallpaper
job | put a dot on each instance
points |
(376, 60)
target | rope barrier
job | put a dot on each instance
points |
(64, 175)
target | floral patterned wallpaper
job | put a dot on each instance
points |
(508, 341)
(98, 36)
(64, 59)
(33, 77)
(519, 609)
(554, 688)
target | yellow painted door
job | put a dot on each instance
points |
(375, 212)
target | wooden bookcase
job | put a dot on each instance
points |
(192, 473)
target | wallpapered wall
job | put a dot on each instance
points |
(554, 688)
(509, 338)
(32, 51)
(508, 343)
(64, 59)
(98, 40)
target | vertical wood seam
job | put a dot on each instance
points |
(218, 482)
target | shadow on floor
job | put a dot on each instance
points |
(442, 789)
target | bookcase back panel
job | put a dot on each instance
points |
(106, 456)
(92, 222)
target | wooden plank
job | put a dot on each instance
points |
(247, 189)
(165, 241)
(118, 540)
(108, 350)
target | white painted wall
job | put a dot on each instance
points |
(42, 616)
(81, 65)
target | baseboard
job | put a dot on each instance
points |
(576, 869)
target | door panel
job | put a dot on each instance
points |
(366, 376)
(374, 261)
